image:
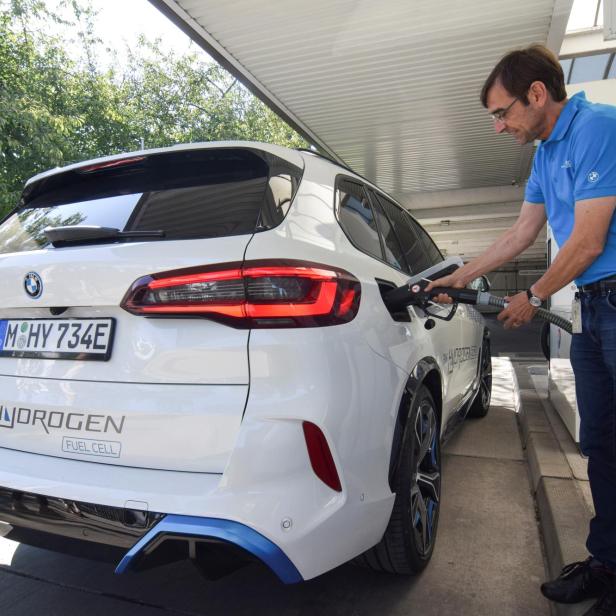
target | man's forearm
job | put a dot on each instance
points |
(572, 259)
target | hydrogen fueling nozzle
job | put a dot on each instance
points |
(413, 293)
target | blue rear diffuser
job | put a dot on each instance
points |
(225, 530)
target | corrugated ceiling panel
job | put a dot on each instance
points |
(391, 87)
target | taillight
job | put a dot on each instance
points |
(320, 456)
(255, 294)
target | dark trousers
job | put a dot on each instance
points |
(593, 357)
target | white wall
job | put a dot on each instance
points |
(596, 91)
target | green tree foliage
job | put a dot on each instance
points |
(58, 106)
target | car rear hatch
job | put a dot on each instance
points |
(82, 378)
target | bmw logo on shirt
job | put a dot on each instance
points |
(33, 285)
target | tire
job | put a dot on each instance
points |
(408, 542)
(481, 404)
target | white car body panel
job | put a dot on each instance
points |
(128, 424)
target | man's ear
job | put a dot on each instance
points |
(537, 94)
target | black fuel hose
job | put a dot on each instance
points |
(542, 313)
(413, 294)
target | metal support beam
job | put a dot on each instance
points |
(466, 196)
(468, 212)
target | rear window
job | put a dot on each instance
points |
(191, 194)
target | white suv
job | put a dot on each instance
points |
(196, 361)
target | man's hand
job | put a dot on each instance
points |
(447, 281)
(518, 312)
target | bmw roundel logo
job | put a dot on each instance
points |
(33, 285)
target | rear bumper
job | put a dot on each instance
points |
(106, 533)
(326, 528)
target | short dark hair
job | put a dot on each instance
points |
(518, 69)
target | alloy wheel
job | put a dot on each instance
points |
(426, 482)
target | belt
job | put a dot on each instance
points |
(600, 286)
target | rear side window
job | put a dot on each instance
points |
(188, 194)
(394, 255)
(412, 246)
(357, 218)
(433, 254)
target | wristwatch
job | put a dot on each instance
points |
(533, 300)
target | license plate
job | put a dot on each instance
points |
(57, 338)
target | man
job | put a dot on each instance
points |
(573, 185)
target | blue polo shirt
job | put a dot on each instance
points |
(576, 162)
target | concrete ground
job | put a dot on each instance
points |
(488, 559)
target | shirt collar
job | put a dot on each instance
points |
(566, 116)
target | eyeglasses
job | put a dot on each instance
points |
(499, 116)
